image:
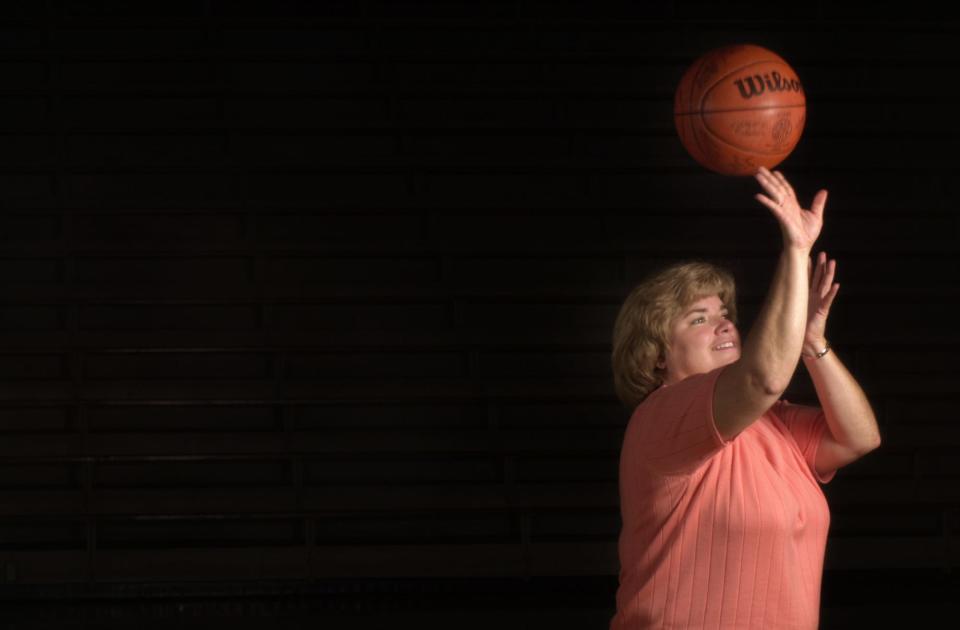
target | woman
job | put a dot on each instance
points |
(724, 523)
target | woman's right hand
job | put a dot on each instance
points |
(800, 228)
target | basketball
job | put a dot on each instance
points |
(738, 108)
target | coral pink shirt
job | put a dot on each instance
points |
(719, 534)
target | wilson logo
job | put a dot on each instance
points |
(755, 85)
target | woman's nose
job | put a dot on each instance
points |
(724, 326)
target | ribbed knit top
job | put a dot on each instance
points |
(719, 534)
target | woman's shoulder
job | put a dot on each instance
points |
(688, 389)
(693, 396)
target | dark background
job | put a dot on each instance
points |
(306, 306)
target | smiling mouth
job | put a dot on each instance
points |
(724, 346)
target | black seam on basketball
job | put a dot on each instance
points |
(748, 109)
(693, 132)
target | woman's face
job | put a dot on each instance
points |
(701, 339)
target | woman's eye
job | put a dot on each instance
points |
(699, 320)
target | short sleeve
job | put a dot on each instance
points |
(807, 425)
(675, 431)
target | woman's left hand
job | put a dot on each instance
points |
(822, 291)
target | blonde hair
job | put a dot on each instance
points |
(641, 333)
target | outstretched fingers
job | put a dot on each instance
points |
(773, 188)
(822, 287)
(819, 203)
(772, 184)
(779, 189)
(770, 203)
(826, 283)
(828, 298)
(782, 180)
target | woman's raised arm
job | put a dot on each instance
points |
(747, 388)
(850, 418)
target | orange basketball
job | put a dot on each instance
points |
(738, 108)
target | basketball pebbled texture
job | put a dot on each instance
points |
(739, 107)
